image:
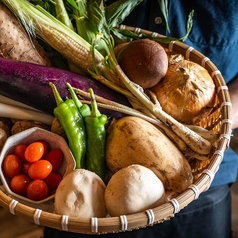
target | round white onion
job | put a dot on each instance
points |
(187, 92)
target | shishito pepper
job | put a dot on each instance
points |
(96, 136)
(73, 124)
(84, 109)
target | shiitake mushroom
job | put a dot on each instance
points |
(144, 61)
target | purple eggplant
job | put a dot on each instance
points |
(29, 83)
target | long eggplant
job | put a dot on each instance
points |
(29, 83)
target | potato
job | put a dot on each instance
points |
(81, 194)
(133, 189)
(15, 42)
(144, 61)
(131, 140)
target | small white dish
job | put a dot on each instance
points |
(28, 136)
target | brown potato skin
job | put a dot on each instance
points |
(144, 61)
(131, 140)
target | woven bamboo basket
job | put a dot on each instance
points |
(219, 121)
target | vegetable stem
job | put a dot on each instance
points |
(182, 146)
(58, 98)
(16, 112)
(192, 139)
(12, 102)
(84, 109)
(95, 112)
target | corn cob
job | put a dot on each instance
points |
(56, 34)
(75, 52)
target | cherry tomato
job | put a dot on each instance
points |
(19, 184)
(40, 169)
(55, 157)
(11, 165)
(53, 180)
(34, 151)
(37, 190)
(24, 168)
(19, 151)
(46, 148)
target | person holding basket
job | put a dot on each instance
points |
(215, 34)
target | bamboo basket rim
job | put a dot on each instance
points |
(163, 212)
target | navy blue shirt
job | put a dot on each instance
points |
(214, 34)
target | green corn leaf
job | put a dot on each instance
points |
(164, 9)
(80, 6)
(96, 12)
(116, 12)
(189, 25)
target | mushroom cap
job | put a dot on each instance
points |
(144, 61)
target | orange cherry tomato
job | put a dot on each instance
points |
(11, 165)
(34, 151)
(19, 184)
(40, 169)
(19, 151)
(53, 180)
(37, 190)
(55, 157)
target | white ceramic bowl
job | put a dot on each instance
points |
(28, 136)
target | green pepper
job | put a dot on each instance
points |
(96, 136)
(84, 109)
(73, 124)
